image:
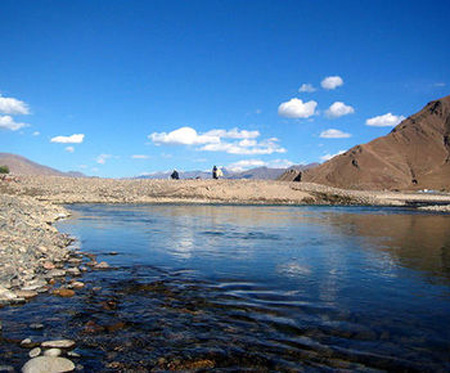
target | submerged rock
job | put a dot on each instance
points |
(48, 364)
(65, 293)
(102, 265)
(36, 326)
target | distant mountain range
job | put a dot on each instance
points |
(260, 173)
(22, 166)
(414, 155)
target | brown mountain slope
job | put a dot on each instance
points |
(22, 166)
(414, 155)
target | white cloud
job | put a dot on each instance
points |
(332, 82)
(245, 165)
(252, 163)
(183, 136)
(70, 149)
(9, 105)
(306, 87)
(8, 123)
(386, 120)
(232, 141)
(140, 156)
(279, 163)
(328, 156)
(101, 159)
(439, 84)
(73, 139)
(234, 133)
(334, 134)
(295, 108)
(36, 133)
(269, 146)
(339, 109)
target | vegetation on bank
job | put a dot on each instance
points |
(4, 170)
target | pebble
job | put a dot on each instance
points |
(55, 273)
(102, 265)
(77, 285)
(48, 265)
(6, 295)
(6, 369)
(65, 293)
(54, 352)
(73, 354)
(35, 352)
(27, 342)
(36, 326)
(27, 294)
(60, 343)
(74, 271)
(48, 364)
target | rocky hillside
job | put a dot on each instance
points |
(22, 166)
(414, 155)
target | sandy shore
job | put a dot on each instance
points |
(62, 190)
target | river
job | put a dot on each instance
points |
(257, 288)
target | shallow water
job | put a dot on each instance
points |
(252, 288)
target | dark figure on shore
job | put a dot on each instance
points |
(175, 175)
(214, 173)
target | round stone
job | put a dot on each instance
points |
(47, 364)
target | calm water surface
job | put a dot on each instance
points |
(253, 288)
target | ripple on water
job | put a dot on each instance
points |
(250, 288)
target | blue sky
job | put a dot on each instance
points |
(155, 85)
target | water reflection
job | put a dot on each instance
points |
(347, 288)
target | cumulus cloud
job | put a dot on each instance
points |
(306, 87)
(189, 136)
(73, 139)
(328, 156)
(183, 136)
(234, 141)
(9, 105)
(7, 122)
(36, 133)
(334, 134)
(70, 149)
(140, 156)
(269, 146)
(252, 163)
(296, 108)
(339, 109)
(332, 82)
(386, 120)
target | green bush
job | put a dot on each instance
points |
(4, 170)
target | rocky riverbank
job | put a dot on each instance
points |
(30, 247)
(34, 256)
